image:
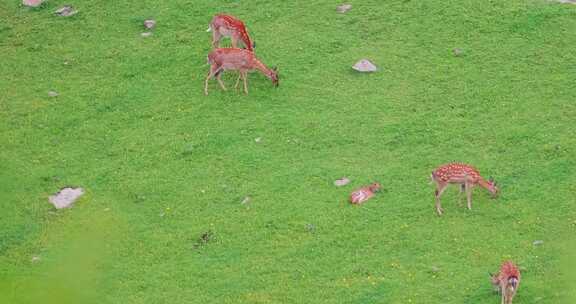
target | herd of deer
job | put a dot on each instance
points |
(506, 281)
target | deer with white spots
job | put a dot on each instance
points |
(461, 174)
(223, 25)
(506, 282)
(240, 60)
(363, 194)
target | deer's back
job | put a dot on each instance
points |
(456, 173)
(232, 58)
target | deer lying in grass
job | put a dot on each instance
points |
(464, 175)
(506, 282)
(363, 194)
(223, 25)
(241, 60)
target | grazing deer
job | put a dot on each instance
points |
(363, 194)
(240, 60)
(228, 26)
(506, 282)
(464, 175)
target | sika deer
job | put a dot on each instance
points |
(464, 175)
(363, 194)
(507, 281)
(240, 60)
(228, 26)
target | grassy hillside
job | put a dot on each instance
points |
(163, 164)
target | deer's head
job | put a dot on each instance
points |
(375, 187)
(493, 187)
(274, 76)
(512, 283)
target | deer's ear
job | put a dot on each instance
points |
(275, 68)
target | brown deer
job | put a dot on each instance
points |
(464, 175)
(363, 194)
(506, 282)
(223, 25)
(241, 60)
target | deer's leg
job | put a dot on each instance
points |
(440, 187)
(216, 36)
(238, 80)
(218, 75)
(462, 189)
(234, 40)
(245, 75)
(468, 187)
(213, 71)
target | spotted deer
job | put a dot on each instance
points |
(506, 282)
(464, 175)
(363, 194)
(223, 25)
(240, 60)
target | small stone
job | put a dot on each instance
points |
(435, 269)
(342, 182)
(365, 66)
(146, 34)
(538, 242)
(53, 93)
(149, 24)
(246, 200)
(35, 259)
(458, 52)
(65, 197)
(343, 8)
(311, 228)
(32, 3)
(258, 139)
(66, 11)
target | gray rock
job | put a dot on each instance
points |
(66, 11)
(343, 8)
(341, 182)
(365, 66)
(32, 3)
(65, 197)
(149, 24)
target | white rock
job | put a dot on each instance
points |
(246, 200)
(32, 3)
(343, 8)
(538, 242)
(53, 93)
(342, 182)
(365, 66)
(65, 197)
(146, 34)
(149, 24)
(258, 139)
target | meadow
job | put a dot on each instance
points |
(167, 169)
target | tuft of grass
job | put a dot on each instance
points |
(166, 168)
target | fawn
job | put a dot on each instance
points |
(240, 60)
(506, 282)
(228, 26)
(464, 175)
(363, 194)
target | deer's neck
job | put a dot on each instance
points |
(262, 68)
(484, 184)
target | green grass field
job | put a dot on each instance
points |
(163, 164)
